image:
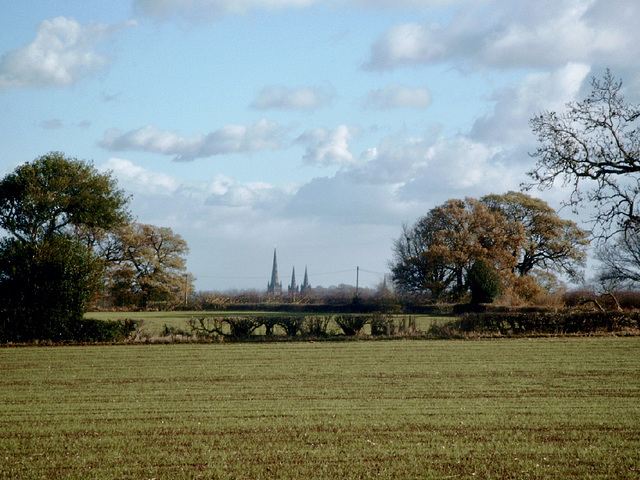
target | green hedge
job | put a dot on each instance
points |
(78, 331)
(565, 322)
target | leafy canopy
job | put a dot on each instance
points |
(53, 193)
(47, 275)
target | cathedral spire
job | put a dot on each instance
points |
(305, 284)
(293, 288)
(275, 286)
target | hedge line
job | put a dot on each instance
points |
(78, 331)
(314, 326)
(565, 322)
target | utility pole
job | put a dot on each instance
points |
(186, 288)
(357, 280)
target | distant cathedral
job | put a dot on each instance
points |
(274, 287)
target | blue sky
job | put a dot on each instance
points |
(319, 127)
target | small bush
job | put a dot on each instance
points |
(407, 325)
(231, 328)
(205, 327)
(268, 322)
(352, 324)
(239, 327)
(291, 324)
(381, 324)
(316, 326)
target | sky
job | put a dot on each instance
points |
(317, 127)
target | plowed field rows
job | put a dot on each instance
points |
(525, 408)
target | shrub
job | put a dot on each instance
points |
(90, 330)
(291, 324)
(407, 325)
(316, 326)
(83, 330)
(232, 328)
(542, 322)
(205, 327)
(381, 324)
(351, 324)
(268, 322)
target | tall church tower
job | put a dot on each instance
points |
(305, 284)
(275, 286)
(293, 288)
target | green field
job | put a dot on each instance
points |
(516, 408)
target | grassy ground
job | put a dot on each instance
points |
(154, 322)
(518, 408)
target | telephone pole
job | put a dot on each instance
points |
(186, 288)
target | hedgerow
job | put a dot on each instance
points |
(539, 322)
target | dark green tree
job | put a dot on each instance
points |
(484, 282)
(45, 287)
(46, 274)
(53, 194)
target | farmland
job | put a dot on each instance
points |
(517, 408)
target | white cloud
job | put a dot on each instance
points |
(262, 135)
(502, 33)
(401, 179)
(139, 180)
(408, 44)
(221, 190)
(424, 171)
(328, 147)
(516, 104)
(460, 167)
(62, 52)
(398, 96)
(279, 97)
(325, 223)
(227, 192)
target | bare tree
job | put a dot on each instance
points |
(620, 262)
(595, 144)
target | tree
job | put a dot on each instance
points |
(53, 194)
(485, 282)
(436, 255)
(416, 268)
(620, 262)
(45, 287)
(46, 275)
(551, 243)
(148, 265)
(595, 142)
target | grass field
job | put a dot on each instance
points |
(154, 322)
(492, 409)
